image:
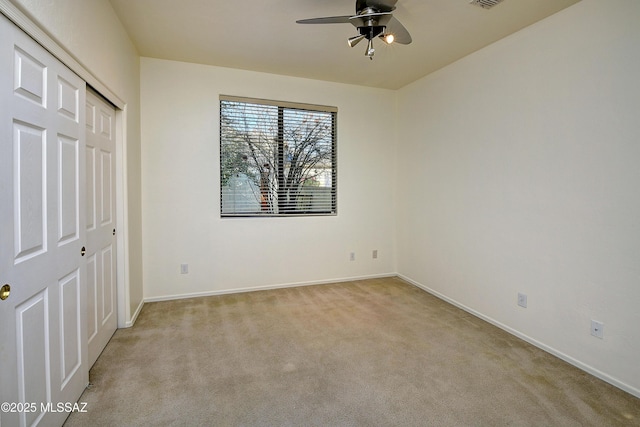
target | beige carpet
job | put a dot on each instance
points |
(367, 353)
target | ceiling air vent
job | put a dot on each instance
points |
(485, 4)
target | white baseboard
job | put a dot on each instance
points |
(263, 288)
(131, 322)
(575, 362)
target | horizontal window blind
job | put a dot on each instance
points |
(277, 158)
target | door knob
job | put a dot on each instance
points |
(83, 251)
(4, 292)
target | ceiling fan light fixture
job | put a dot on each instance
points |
(352, 41)
(370, 50)
(388, 38)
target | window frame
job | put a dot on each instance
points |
(332, 208)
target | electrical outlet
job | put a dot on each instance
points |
(522, 300)
(352, 256)
(597, 329)
(374, 255)
(184, 268)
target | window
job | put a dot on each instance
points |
(276, 158)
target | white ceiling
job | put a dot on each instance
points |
(262, 35)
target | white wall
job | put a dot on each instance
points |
(181, 181)
(92, 33)
(518, 172)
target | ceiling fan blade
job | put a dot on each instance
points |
(380, 5)
(326, 20)
(400, 33)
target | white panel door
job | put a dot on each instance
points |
(100, 224)
(43, 357)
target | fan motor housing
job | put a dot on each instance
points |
(371, 32)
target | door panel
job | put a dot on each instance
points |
(43, 341)
(108, 288)
(106, 189)
(90, 166)
(70, 327)
(69, 185)
(30, 77)
(29, 147)
(33, 352)
(100, 223)
(68, 98)
(92, 298)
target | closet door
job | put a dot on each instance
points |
(43, 337)
(101, 224)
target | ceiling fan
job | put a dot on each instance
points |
(373, 18)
